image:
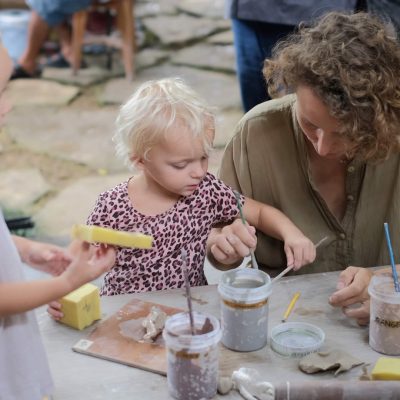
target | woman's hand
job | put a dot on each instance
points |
(233, 242)
(353, 289)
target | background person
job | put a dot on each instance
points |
(258, 25)
(45, 15)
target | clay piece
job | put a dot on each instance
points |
(153, 324)
(248, 383)
(225, 385)
(337, 360)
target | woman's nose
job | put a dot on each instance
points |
(323, 143)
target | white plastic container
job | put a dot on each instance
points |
(384, 326)
(192, 361)
(244, 297)
(14, 31)
(296, 339)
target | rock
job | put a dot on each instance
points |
(220, 90)
(21, 188)
(83, 136)
(73, 205)
(207, 56)
(20, 93)
(182, 29)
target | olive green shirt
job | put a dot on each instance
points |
(267, 160)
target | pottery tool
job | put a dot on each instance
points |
(253, 257)
(389, 245)
(187, 284)
(290, 267)
(98, 234)
(290, 306)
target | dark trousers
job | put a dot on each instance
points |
(253, 44)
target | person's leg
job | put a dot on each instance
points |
(47, 14)
(253, 44)
(37, 33)
(64, 34)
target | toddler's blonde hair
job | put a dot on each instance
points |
(154, 108)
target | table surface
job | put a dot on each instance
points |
(79, 376)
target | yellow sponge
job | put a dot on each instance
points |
(81, 307)
(110, 236)
(386, 369)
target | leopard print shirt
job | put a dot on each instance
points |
(184, 226)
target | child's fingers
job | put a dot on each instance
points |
(54, 310)
(298, 253)
(289, 256)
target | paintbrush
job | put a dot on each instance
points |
(187, 285)
(390, 248)
(290, 267)
(253, 257)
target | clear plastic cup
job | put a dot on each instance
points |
(384, 327)
(192, 361)
(14, 31)
(244, 308)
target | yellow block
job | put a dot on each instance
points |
(386, 369)
(110, 236)
(81, 307)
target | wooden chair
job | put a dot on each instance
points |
(125, 24)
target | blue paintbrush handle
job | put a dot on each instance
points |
(390, 248)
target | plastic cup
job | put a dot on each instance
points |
(384, 327)
(244, 308)
(192, 361)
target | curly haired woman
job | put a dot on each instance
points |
(325, 151)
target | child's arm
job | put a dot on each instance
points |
(87, 264)
(298, 248)
(42, 256)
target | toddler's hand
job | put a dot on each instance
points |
(54, 309)
(299, 251)
(233, 242)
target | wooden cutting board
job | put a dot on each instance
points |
(117, 338)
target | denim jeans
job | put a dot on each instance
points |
(54, 12)
(253, 44)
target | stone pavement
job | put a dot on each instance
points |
(56, 153)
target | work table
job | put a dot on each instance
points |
(79, 376)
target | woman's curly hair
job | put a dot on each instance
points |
(352, 62)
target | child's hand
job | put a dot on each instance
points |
(88, 263)
(47, 258)
(299, 251)
(233, 242)
(54, 309)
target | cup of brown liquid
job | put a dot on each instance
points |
(192, 360)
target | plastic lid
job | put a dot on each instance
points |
(296, 339)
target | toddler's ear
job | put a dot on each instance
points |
(137, 161)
